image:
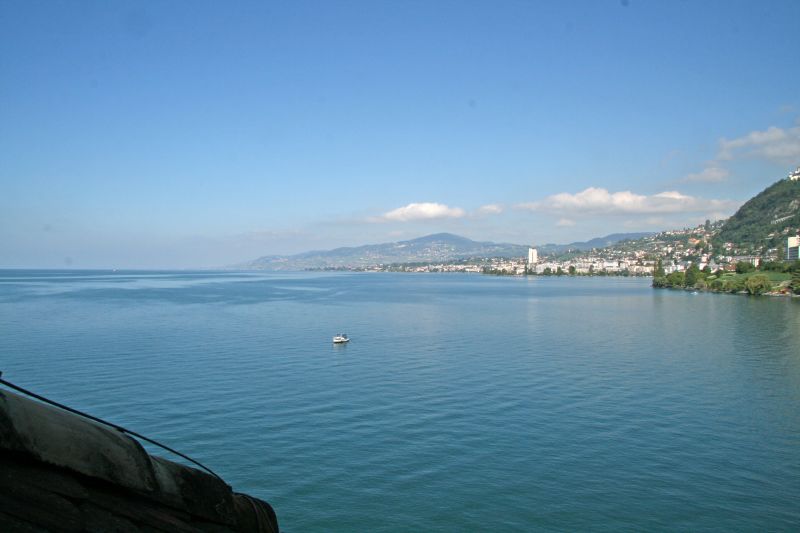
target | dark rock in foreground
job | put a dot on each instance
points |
(61, 472)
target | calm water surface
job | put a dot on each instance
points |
(463, 402)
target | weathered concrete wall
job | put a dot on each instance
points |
(62, 472)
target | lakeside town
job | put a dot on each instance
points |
(711, 247)
(677, 250)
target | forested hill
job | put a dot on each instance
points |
(767, 218)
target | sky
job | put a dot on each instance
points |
(189, 134)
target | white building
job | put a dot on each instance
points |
(792, 248)
(752, 259)
(533, 256)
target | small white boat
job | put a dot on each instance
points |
(341, 338)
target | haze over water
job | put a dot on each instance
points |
(462, 402)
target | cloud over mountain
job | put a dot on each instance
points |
(422, 211)
(599, 201)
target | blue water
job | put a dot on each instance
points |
(463, 402)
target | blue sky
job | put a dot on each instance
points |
(195, 134)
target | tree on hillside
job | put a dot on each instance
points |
(675, 279)
(744, 267)
(758, 284)
(692, 275)
(795, 283)
(658, 272)
(734, 284)
(774, 266)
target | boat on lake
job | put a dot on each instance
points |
(341, 338)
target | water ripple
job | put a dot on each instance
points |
(462, 402)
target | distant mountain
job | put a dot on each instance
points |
(767, 218)
(437, 247)
(598, 242)
(431, 248)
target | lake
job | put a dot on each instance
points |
(462, 403)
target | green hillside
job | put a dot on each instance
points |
(767, 218)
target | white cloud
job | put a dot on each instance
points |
(712, 174)
(773, 144)
(422, 211)
(565, 222)
(598, 201)
(672, 195)
(776, 145)
(490, 209)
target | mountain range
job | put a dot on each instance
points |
(431, 248)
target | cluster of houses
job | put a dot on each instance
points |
(677, 250)
(629, 259)
(641, 263)
(592, 264)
